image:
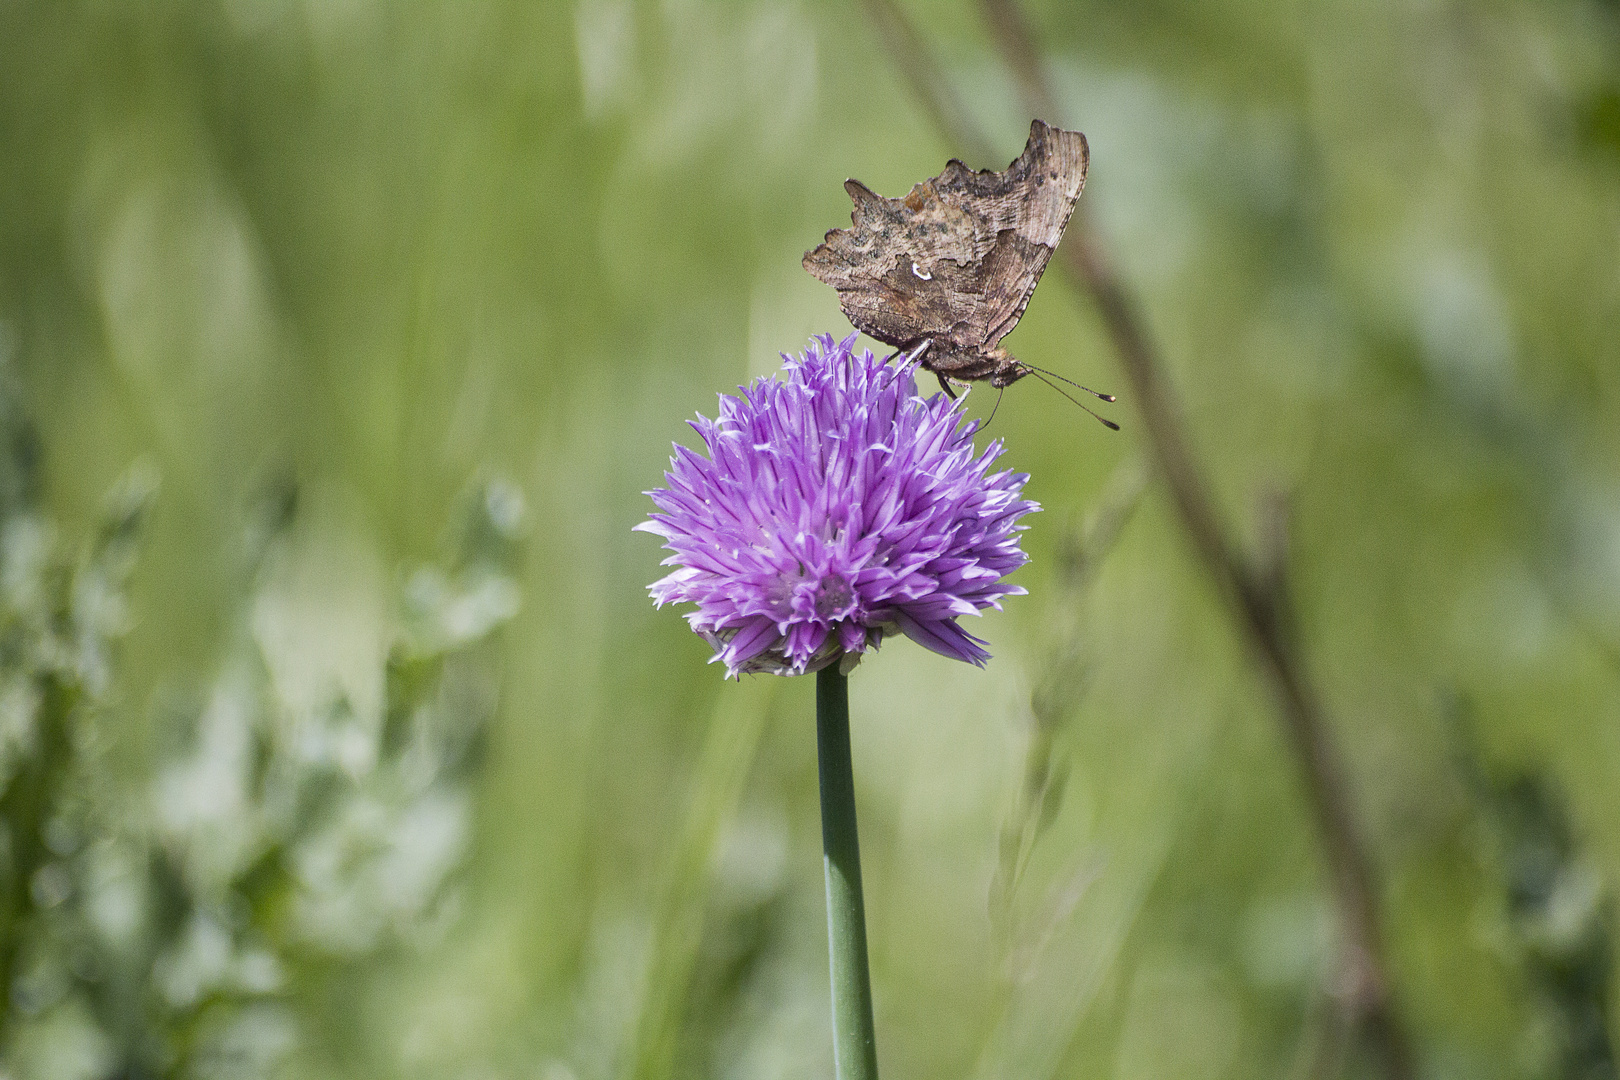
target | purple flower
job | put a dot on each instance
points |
(835, 508)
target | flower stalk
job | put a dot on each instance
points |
(828, 510)
(854, 1040)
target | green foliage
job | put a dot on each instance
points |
(185, 919)
(316, 264)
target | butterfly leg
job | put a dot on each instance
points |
(945, 385)
(916, 354)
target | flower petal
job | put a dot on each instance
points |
(832, 507)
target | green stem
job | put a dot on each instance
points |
(854, 1043)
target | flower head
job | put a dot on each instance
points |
(836, 507)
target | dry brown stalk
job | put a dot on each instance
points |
(1258, 603)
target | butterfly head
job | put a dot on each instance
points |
(1007, 369)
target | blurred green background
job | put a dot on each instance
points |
(339, 739)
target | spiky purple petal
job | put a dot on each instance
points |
(835, 507)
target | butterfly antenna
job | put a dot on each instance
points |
(1103, 420)
(1099, 395)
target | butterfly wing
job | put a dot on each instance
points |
(958, 257)
(904, 267)
(1029, 204)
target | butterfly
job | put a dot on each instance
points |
(945, 273)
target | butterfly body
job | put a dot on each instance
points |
(949, 269)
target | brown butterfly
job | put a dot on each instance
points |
(946, 272)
